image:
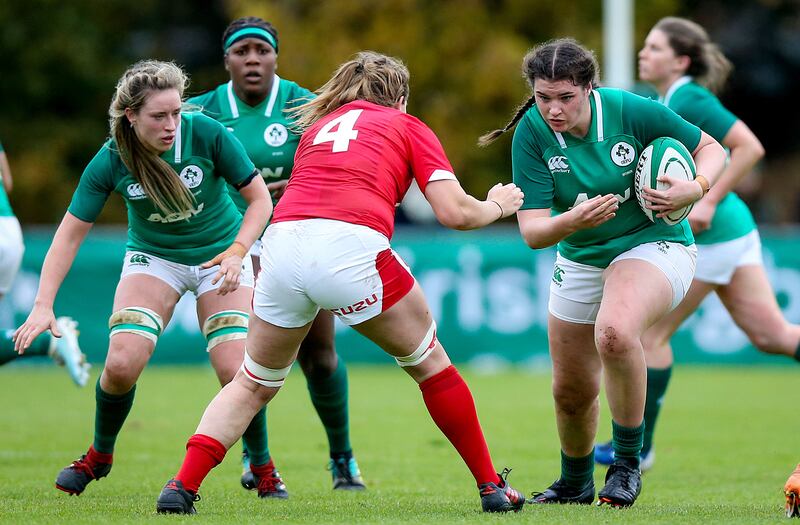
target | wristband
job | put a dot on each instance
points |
(501, 209)
(703, 183)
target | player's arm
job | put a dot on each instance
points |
(458, 210)
(68, 238)
(745, 150)
(5, 172)
(540, 229)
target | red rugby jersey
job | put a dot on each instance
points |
(356, 164)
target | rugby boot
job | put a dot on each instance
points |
(792, 491)
(623, 485)
(500, 497)
(270, 485)
(345, 473)
(65, 351)
(74, 478)
(560, 492)
(604, 455)
(248, 478)
(174, 499)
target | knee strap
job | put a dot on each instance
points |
(271, 377)
(136, 320)
(227, 325)
(423, 351)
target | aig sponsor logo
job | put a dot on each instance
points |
(191, 176)
(558, 164)
(135, 192)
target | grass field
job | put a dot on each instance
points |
(727, 441)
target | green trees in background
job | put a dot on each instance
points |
(60, 62)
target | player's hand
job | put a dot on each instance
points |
(508, 196)
(277, 189)
(230, 267)
(39, 320)
(701, 215)
(594, 212)
(680, 194)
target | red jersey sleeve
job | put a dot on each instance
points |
(426, 155)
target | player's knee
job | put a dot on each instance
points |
(573, 401)
(318, 362)
(614, 341)
(767, 339)
(136, 320)
(423, 351)
(119, 371)
(224, 326)
(262, 375)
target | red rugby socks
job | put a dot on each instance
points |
(202, 454)
(452, 408)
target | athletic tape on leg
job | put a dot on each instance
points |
(271, 377)
(423, 350)
(227, 325)
(136, 320)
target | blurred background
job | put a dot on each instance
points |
(59, 62)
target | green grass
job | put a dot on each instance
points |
(726, 443)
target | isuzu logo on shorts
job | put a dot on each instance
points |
(356, 307)
(558, 164)
(191, 176)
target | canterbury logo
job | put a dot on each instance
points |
(135, 191)
(558, 164)
(356, 307)
(138, 258)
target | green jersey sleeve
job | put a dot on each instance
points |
(95, 186)
(700, 107)
(529, 170)
(650, 120)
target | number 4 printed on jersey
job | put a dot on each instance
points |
(344, 132)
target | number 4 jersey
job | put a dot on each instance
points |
(356, 164)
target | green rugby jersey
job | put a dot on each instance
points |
(559, 171)
(702, 108)
(206, 157)
(5, 206)
(263, 130)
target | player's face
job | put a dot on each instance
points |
(157, 121)
(251, 63)
(563, 105)
(657, 60)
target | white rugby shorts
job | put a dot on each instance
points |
(576, 289)
(310, 264)
(717, 262)
(182, 277)
(11, 250)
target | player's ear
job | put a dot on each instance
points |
(225, 61)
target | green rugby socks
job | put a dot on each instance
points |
(255, 440)
(657, 382)
(329, 397)
(627, 443)
(109, 416)
(577, 472)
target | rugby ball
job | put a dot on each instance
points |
(663, 156)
